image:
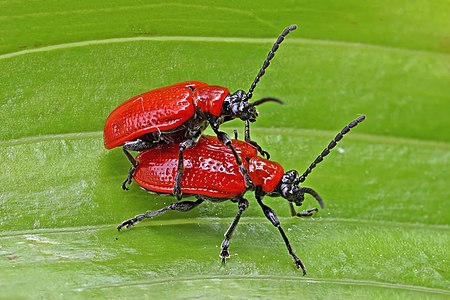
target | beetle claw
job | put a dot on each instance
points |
(123, 224)
(129, 179)
(224, 255)
(124, 185)
(299, 265)
(264, 153)
(307, 212)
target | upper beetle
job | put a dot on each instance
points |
(179, 113)
(209, 175)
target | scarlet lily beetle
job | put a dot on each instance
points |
(180, 113)
(209, 175)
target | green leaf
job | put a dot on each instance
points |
(385, 230)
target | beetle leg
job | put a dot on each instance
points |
(134, 165)
(128, 179)
(224, 254)
(225, 139)
(270, 214)
(308, 212)
(255, 144)
(180, 206)
(177, 186)
(305, 213)
(137, 145)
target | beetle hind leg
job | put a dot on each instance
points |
(180, 206)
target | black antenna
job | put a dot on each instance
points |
(269, 57)
(331, 145)
(268, 99)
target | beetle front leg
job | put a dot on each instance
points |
(180, 206)
(305, 213)
(255, 144)
(272, 217)
(225, 139)
(224, 254)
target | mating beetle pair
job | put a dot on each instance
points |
(180, 113)
(166, 125)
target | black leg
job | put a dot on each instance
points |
(177, 186)
(180, 206)
(137, 145)
(270, 214)
(180, 170)
(224, 254)
(305, 213)
(128, 179)
(224, 138)
(255, 144)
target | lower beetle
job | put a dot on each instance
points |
(180, 113)
(209, 175)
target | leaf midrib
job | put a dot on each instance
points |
(223, 40)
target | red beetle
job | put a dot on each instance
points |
(179, 113)
(209, 175)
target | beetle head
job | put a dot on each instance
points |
(290, 189)
(236, 105)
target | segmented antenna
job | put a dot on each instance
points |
(271, 54)
(331, 145)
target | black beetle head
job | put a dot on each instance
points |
(237, 106)
(289, 188)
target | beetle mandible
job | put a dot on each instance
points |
(180, 113)
(210, 176)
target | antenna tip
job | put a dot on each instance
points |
(292, 27)
(361, 118)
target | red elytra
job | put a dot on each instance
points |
(209, 169)
(161, 110)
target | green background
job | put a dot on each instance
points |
(385, 230)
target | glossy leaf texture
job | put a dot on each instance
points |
(385, 229)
